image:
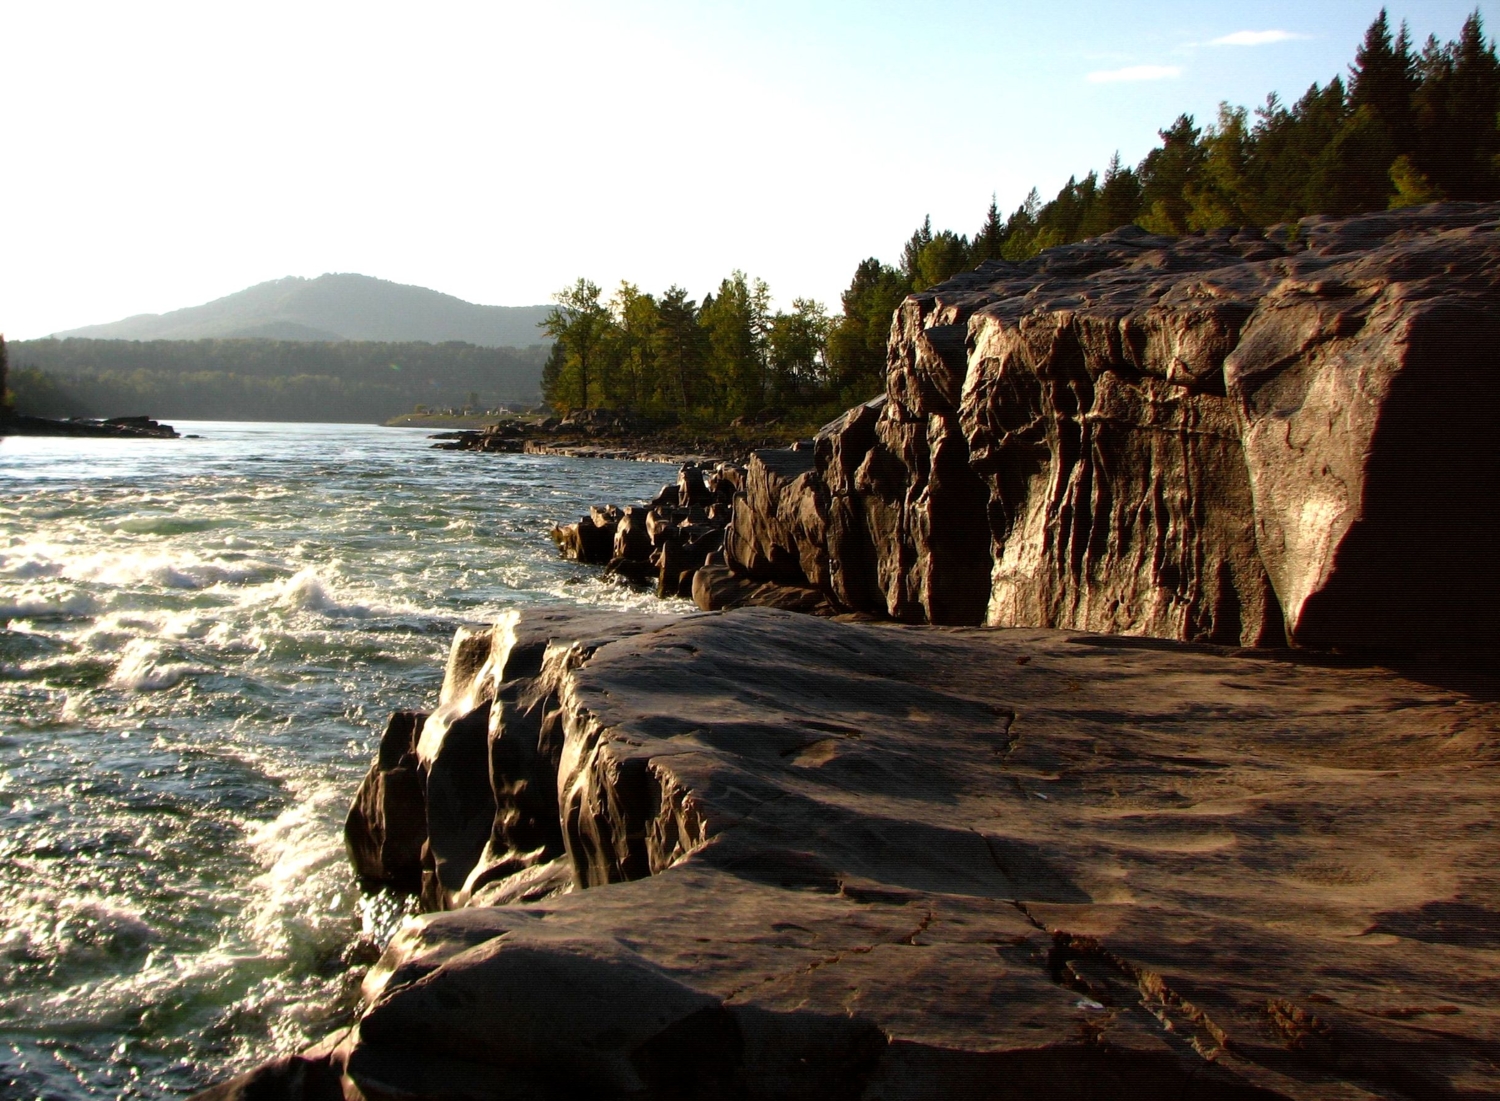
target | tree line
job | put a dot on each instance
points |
(1408, 126)
(254, 379)
(673, 356)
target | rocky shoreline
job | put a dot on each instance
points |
(607, 434)
(1082, 784)
(16, 424)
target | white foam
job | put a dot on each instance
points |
(308, 591)
(43, 602)
(301, 901)
(59, 926)
(143, 668)
(28, 566)
(131, 566)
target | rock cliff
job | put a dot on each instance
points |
(1240, 437)
(759, 854)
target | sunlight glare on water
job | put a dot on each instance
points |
(202, 638)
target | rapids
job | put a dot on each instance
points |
(201, 640)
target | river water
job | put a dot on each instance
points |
(201, 640)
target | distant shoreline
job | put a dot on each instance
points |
(442, 420)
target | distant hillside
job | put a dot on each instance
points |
(335, 307)
(260, 379)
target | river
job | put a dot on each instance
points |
(201, 640)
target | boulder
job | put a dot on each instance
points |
(387, 823)
(691, 489)
(632, 539)
(717, 587)
(811, 858)
(460, 799)
(591, 539)
(290, 1078)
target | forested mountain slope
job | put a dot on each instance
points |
(266, 379)
(335, 307)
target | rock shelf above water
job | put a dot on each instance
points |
(761, 854)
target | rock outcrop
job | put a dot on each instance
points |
(765, 855)
(18, 424)
(666, 540)
(1240, 437)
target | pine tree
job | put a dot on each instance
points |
(943, 257)
(912, 252)
(1383, 80)
(678, 346)
(1472, 102)
(990, 239)
(1020, 228)
(857, 341)
(1167, 173)
(1120, 195)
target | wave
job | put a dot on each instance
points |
(308, 591)
(132, 568)
(171, 524)
(302, 902)
(143, 668)
(31, 603)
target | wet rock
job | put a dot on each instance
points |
(290, 1078)
(464, 798)
(665, 541)
(632, 540)
(387, 824)
(691, 489)
(590, 540)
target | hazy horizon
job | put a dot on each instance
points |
(171, 154)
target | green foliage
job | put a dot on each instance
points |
(672, 358)
(579, 326)
(797, 344)
(857, 340)
(737, 322)
(1406, 129)
(264, 379)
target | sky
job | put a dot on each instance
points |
(161, 155)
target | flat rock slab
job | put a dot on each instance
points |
(916, 862)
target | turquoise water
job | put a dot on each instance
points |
(201, 641)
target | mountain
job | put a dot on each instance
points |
(334, 307)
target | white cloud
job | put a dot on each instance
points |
(1135, 72)
(1254, 38)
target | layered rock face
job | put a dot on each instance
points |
(1242, 437)
(774, 856)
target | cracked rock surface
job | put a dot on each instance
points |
(1243, 437)
(795, 857)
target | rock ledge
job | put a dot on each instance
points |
(759, 854)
